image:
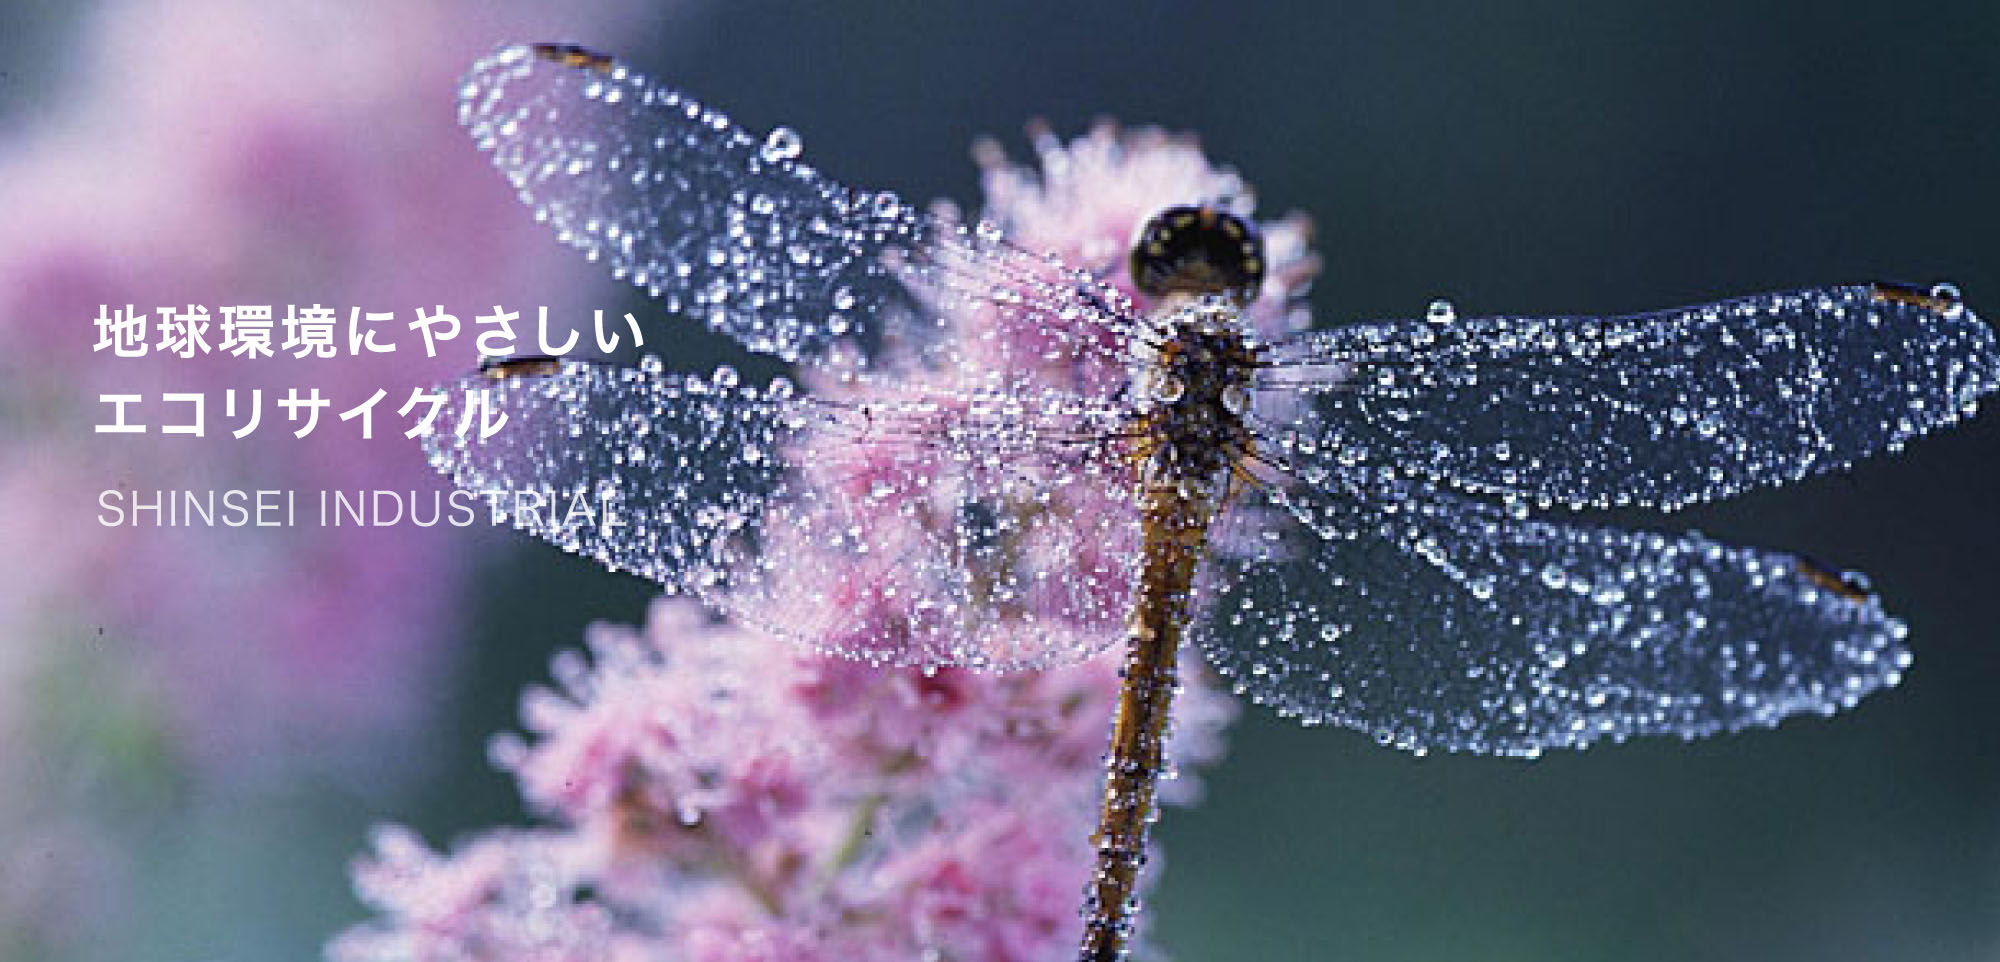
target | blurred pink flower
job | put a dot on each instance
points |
(228, 152)
(223, 152)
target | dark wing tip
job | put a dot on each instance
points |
(1937, 298)
(520, 367)
(1845, 584)
(524, 367)
(573, 55)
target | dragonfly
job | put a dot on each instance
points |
(992, 459)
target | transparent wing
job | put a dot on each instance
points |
(1660, 409)
(1437, 622)
(734, 230)
(942, 528)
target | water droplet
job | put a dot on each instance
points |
(782, 144)
(1953, 298)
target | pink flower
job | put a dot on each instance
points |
(996, 883)
(505, 896)
(688, 724)
(717, 794)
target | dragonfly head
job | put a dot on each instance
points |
(1198, 251)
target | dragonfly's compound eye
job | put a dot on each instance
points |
(1198, 251)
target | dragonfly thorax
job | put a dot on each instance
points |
(1191, 394)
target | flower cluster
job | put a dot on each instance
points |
(723, 794)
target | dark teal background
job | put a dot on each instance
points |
(1521, 157)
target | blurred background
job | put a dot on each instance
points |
(198, 725)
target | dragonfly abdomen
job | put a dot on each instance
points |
(1176, 525)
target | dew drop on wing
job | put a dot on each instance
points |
(782, 144)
